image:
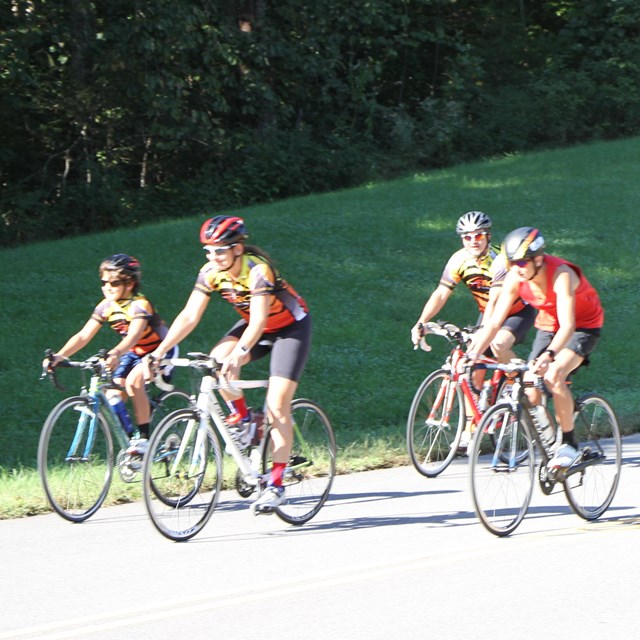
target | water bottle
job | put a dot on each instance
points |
(257, 427)
(485, 394)
(543, 424)
(256, 459)
(120, 409)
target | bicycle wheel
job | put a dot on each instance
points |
(435, 423)
(502, 477)
(312, 463)
(75, 459)
(593, 478)
(182, 475)
(166, 402)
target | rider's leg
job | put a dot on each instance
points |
(117, 399)
(234, 399)
(279, 397)
(555, 378)
(513, 331)
(502, 345)
(136, 390)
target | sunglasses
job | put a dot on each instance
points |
(521, 264)
(474, 236)
(112, 283)
(218, 250)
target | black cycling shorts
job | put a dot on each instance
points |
(520, 323)
(289, 347)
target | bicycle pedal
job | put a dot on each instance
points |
(589, 454)
(262, 511)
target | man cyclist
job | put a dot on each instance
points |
(478, 265)
(568, 324)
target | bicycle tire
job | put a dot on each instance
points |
(165, 451)
(165, 403)
(309, 473)
(502, 477)
(502, 384)
(182, 475)
(591, 489)
(432, 439)
(75, 473)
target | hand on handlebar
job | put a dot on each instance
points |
(51, 361)
(230, 367)
(540, 365)
(418, 337)
(112, 361)
(149, 366)
(467, 361)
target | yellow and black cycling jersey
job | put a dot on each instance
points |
(478, 274)
(258, 277)
(119, 314)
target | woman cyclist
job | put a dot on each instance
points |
(274, 320)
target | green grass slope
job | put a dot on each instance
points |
(365, 259)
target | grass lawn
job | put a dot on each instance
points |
(365, 259)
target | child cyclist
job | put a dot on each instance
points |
(131, 315)
(274, 320)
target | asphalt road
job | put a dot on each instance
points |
(391, 555)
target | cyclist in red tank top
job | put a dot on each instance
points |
(569, 321)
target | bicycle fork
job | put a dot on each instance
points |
(508, 428)
(86, 424)
(448, 392)
(193, 452)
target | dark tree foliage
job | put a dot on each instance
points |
(124, 111)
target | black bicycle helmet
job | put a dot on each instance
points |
(523, 243)
(473, 221)
(125, 266)
(228, 229)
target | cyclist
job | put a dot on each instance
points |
(479, 266)
(568, 324)
(129, 313)
(274, 320)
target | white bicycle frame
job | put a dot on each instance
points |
(208, 407)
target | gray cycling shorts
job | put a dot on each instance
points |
(582, 342)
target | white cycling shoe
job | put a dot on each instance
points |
(564, 457)
(268, 500)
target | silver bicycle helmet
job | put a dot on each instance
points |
(473, 221)
(523, 244)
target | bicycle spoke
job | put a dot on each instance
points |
(593, 479)
(75, 459)
(182, 475)
(502, 479)
(312, 463)
(435, 423)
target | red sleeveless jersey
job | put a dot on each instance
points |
(589, 311)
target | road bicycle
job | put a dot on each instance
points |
(79, 437)
(503, 475)
(438, 412)
(183, 464)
